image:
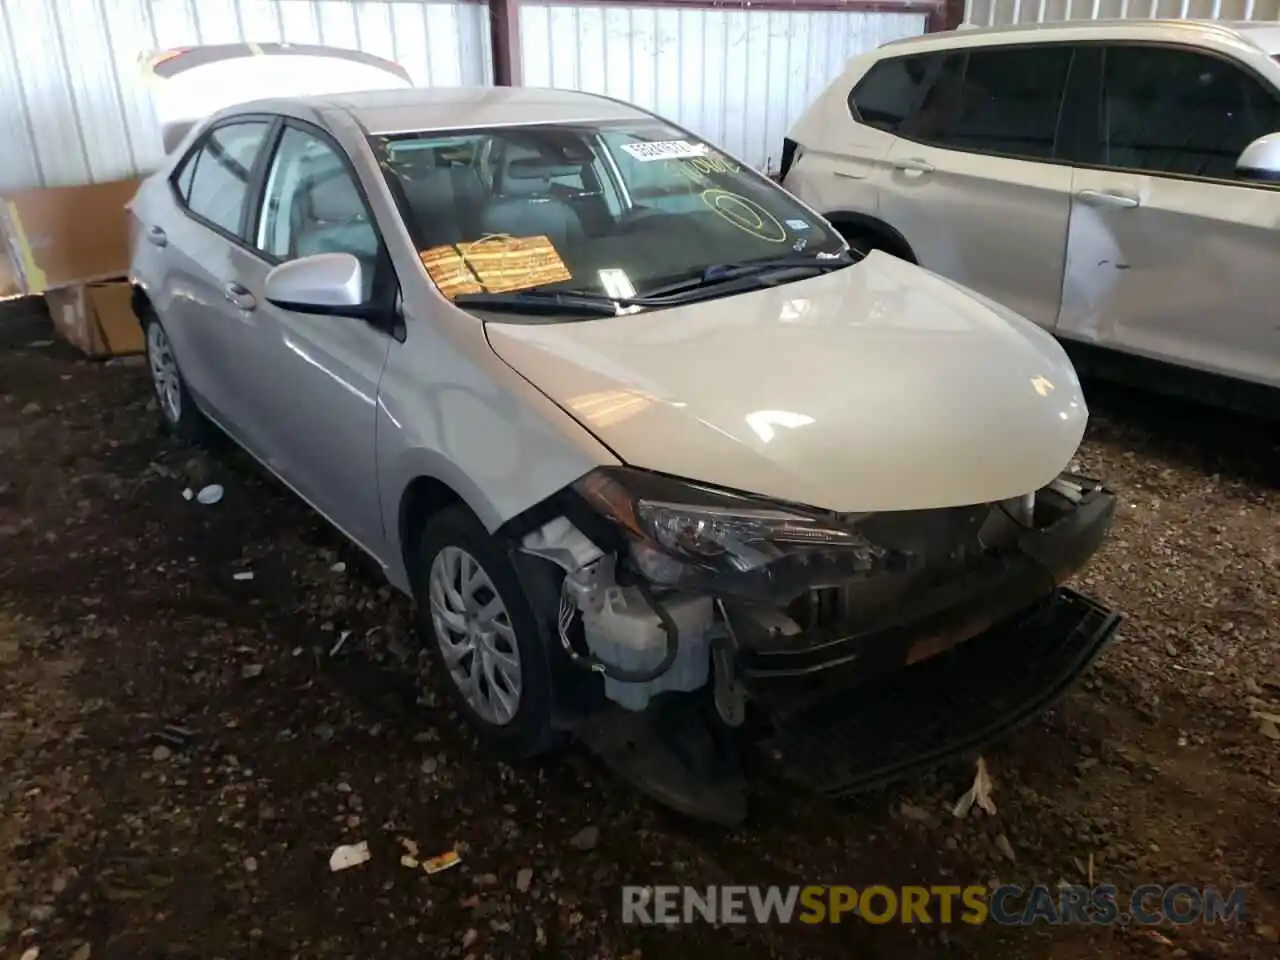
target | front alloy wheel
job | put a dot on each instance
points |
(478, 622)
(476, 638)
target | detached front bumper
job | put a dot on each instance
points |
(995, 591)
(840, 709)
(945, 707)
(968, 663)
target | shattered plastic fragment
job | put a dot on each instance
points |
(349, 855)
(409, 861)
(188, 493)
(342, 638)
(443, 862)
(979, 793)
(243, 575)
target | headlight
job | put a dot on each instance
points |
(680, 528)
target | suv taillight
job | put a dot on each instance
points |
(791, 152)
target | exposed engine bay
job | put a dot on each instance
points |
(715, 622)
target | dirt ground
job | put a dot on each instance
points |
(181, 750)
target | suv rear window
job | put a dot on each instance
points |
(892, 91)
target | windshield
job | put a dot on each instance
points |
(612, 209)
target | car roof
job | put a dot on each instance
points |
(1260, 35)
(447, 108)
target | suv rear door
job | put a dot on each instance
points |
(1170, 255)
(974, 182)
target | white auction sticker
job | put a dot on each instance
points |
(665, 150)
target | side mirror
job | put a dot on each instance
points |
(330, 284)
(1261, 159)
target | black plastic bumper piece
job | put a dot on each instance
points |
(994, 590)
(945, 707)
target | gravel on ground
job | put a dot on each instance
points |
(182, 749)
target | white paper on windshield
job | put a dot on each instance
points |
(665, 150)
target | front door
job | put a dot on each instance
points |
(972, 183)
(1170, 255)
(315, 379)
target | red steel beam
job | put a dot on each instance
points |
(504, 18)
(939, 14)
(504, 38)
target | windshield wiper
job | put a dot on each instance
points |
(722, 272)
(586, 304)
(541, 301)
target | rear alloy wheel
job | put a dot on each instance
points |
(177, 410)
(480, 628)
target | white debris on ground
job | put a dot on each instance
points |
(342, 638)
(349, 855)
(210, 495)
(979, 793)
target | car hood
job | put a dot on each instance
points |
(876, 387)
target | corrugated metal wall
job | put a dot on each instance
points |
(738, 78)
(74, 108)
(988, 13)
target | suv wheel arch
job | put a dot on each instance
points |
(869, 233)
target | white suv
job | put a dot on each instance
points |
(1116, 182)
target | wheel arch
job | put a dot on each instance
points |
(425, 483)
(141, 303)
(851, 223)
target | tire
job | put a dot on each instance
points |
(863, 243)
(179, 414)
(516, 725)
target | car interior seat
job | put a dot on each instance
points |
(524, 206)
(329, 216)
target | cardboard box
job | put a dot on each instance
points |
(97, 318)
(8, 280)
(60, 236)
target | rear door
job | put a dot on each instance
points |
(843, 144)
(1170, 254)
(975, 182)
(197, 239)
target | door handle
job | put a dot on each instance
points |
(157, 237)
(913, 168)
(239, 296)
(1107, 198)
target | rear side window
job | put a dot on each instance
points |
(182, 182)
(219, 184)
(893, 90)
(999, 101)
(1179, 112)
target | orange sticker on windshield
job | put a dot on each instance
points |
(495, 264)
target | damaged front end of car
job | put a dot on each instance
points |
(700, 632)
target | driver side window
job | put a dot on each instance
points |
(312, 205)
